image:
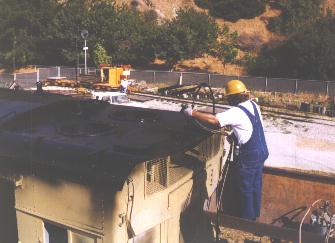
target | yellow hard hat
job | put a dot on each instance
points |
(235, 87)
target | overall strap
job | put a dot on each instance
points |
(252, 118)
(255, 111)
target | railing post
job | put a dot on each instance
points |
(181, 78)
(37, 75)
(266, 84)
(209, 78)
(296, 86)
(154, 76)
(327, 88)
(14, 77)
(58, 71)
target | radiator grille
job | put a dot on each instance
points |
(157, 175)
(209, 147)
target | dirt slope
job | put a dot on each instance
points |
(164, 9)
(253, 33)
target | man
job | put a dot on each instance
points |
(124, 86)
(246, 122)
(39, 87)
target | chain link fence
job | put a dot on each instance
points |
(6, 80)
(282, 85)
(167, 78)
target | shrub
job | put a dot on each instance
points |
(308, 54)
(202, 3)
(233, 10)
(296, 14)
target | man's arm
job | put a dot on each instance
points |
(206, 117)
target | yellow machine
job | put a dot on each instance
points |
(110, 77)
(107, 78)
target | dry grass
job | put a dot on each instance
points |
(289, 100)
(253, 33)
(210, 64)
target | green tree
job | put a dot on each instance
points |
(189, 35)
(226, 48)
(100, 55)
(61, 43)
(296, 14)
(233, 10)
(22, 24)
(309, 54)
(125, 34)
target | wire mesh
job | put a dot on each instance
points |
(26, 80)
(312, 86)
(69, 73)
(167, 78)
(331, 89)
(281, 85)
(254, 83)
(143, 76)
(6, 80)
(209, 147)
(157, 175)
(195, 78)
(218, 80)
(45, 73)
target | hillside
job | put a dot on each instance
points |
(253, 33)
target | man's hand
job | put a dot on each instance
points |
(186, 110)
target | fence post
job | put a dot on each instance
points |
(327, 88)
(154, 76)
(209, 78)
(296, 86)
(181, 78)
(58, 71)
(14, 76)
(266, 84)
(37, 75)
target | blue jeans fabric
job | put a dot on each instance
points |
(250, 168)
(250, 190)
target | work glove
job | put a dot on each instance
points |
(186, 110)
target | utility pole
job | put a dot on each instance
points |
(85, 49)
(77, 56)
(84, 35)
(14, 54)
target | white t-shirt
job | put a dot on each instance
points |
(124, 83)
(239, 121)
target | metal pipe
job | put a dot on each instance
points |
(85, 49)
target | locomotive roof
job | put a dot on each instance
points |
(87, 138)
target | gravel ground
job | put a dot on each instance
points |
(315, 128)
(298, 142)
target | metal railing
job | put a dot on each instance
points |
(282, 85)
(166, 78)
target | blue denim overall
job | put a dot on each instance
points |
(251, 159)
